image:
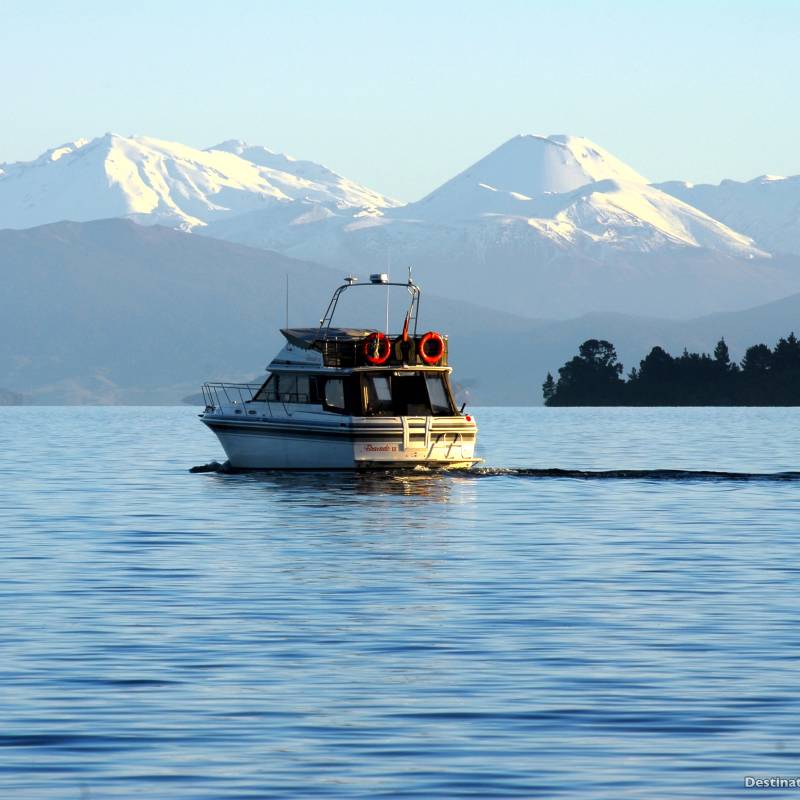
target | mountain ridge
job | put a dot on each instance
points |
(561, 225)
(766, 208)
(156, 181)
(113, 312)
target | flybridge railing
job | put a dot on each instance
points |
(228, 394)
(378, 279)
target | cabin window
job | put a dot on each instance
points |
(288, 389)
(267, 391)
(378, 396)
(295, 389)
(439, 396)
(334, 395)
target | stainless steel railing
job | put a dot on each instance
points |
(217, 395)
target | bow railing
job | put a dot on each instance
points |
(217, 395)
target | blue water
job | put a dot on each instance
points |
(174, 635)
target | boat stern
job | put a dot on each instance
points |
(438, 442)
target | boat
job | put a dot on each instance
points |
(347, 398)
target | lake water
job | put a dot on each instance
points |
(177, 635)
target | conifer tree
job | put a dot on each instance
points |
(548, 389)
(721, 354)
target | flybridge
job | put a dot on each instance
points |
(348, 348)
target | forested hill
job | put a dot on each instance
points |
(594, 377)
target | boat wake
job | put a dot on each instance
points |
(635, 474)
(576, 474)
(214, 466)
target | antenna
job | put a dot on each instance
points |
(387, 308)
(388, 272)
(287, 299)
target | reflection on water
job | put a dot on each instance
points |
(352, 490)
(417, 634)
(341, 486)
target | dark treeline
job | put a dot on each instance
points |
(764, 378)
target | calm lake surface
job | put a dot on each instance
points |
(177, 635)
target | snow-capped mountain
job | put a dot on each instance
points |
(571, 192)
(523, 168)
(154, 181)
(766, 208)
(545, 226)
(561, 192)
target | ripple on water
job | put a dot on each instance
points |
(514, 632)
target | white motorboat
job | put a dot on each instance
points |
(346, 398)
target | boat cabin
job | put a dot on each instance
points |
(365, 393)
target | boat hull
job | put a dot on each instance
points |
(261, 445)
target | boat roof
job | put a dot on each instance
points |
(305, 337)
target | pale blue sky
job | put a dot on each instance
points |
(401, 96)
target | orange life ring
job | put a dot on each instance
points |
(422, 348)
(377, 348)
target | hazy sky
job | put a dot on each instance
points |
(401, 96)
